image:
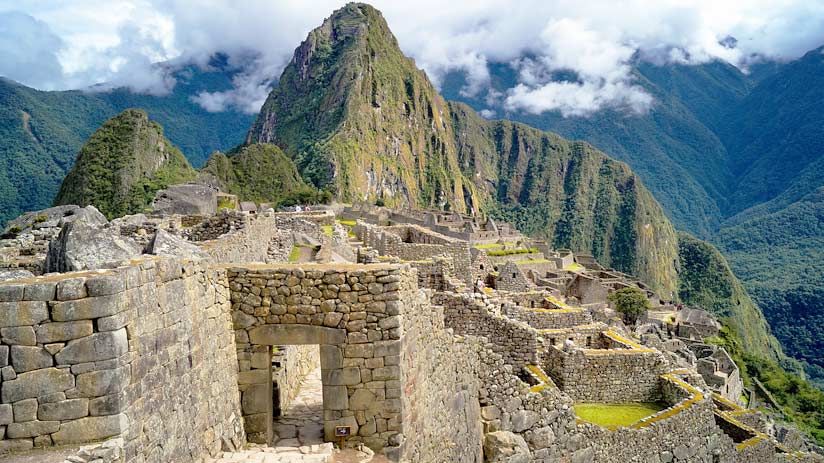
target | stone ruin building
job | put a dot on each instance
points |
(181, 337)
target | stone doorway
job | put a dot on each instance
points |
(297, 396)
(313, 405)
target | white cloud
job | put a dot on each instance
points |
(119, 42)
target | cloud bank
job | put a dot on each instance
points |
(570, 56)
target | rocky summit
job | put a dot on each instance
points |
(376, 275)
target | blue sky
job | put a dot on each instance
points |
(62, 44)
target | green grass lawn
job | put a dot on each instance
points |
(328, 230)
(613, 416)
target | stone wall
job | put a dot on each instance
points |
(263, 238)
(549, 319)
(607, 375)
(468, 314)
(130, 352)
(216, 226)
(390, 241)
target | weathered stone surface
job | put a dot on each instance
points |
(23, 313)
(89, 215)
(18, 335)
(257, 399)
(90, 429)
(25, 410)
(31, 429)
(15, 274)
(40, 291)
(274, 335)
(111, 404)
(63, 331)
(37, 383)
(505, 447)
(71, 289)
(61, 411)
(102, 382)
(99, 346)
(362, 399)
(342, 376)
(25, 358)
(335, 398)
(523, 420)
(92, 307)
(186, 199)
(6, 414)
(165, 244)
(81, 246)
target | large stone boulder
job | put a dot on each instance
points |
(165, 244)
(82, 246)
(53, 217)
(505, 447)
(186, 199)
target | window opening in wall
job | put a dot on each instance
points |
(589, 341)
(552, 341)
(514, 275)
(482, 266)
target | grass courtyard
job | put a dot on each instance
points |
(614, 416)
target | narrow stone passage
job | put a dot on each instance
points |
(302, 422)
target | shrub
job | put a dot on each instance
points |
(631, 302)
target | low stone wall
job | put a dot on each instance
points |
(607, 375)
(263, 238)
(320, 218)
(389, 241)
(216, 226)
(129, 352)
(549, 319)
(515, 341)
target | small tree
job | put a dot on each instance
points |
(631, 302)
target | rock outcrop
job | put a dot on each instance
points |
(165, 244)
(83, 246)
(186, 199)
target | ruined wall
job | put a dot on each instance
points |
(468, 314)
(129, 352)
(263, 238)
(549, 319)
(607, 375)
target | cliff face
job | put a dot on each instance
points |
(358, 118)
(122, 165)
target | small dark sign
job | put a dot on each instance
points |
(343, 431)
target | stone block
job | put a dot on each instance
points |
(18, 335)
(111, 404)
(15, 445)
(341, 376)
(90, 429)
(71, 409)
(274, 335)
(63, 331)
(105, 285)
(257, 399)
(386, 348)
(6, 414)
(4, 356)
(37, 383)
(89, 308)
(254, 376)
(362, 399)
(25, 358)
(71, 289)
(31, 429)
(331, 357)
(102, 382)
(99, 346)
(40, 291)
(335, 398)
(25, 410)
(358, 350)
(386, 373)
(24, 313)
(11, 293)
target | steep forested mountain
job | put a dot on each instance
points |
(736, 158)
(41, 132)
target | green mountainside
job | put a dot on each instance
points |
(41, 132)
(122, 165)
(735, 159)
(260, 173)
(359, 119)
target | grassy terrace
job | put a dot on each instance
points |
(614, 416)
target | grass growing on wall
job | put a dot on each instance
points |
(614, 416)
(294, 256)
